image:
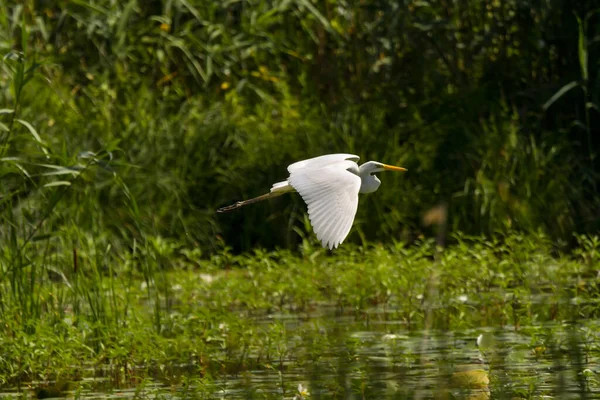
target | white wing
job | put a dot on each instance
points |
(321, 161)
(331, 193)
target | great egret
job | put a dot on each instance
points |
(329, 185)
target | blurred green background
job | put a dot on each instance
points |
(131, 121)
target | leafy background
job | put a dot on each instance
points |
(132, 121)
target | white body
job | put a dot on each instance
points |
(330, 186)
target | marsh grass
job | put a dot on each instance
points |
(214, 321)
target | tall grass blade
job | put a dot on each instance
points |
(582, 49)
(560, 93)
(58, 183)
(320, 17)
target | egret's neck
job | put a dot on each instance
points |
(370, 183)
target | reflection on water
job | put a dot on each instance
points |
(371, 355)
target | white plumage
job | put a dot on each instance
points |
(329, 185)
(330, 191)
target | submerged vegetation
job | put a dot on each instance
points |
(125, 124)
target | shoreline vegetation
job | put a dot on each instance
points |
(127, 323)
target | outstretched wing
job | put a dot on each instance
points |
(321, 161)
(331, 193)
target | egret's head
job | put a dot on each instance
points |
(370, 182)
(372, 167)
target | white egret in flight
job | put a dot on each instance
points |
(330, 186)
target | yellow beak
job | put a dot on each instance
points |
(393, 168)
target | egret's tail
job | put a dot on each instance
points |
(277, 190)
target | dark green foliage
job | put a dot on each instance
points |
(492, 106)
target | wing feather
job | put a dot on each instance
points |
(321, 161)
(343, 226)
(331, 194)
(339, 229)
